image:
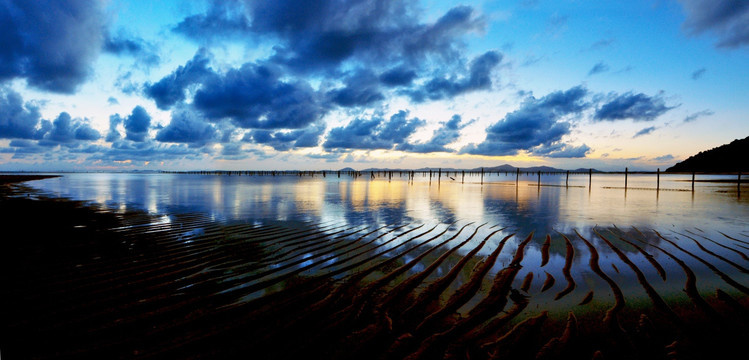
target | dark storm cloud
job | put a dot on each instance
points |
(697, 115)
(286, 140)
(49, 43)
(319, 35)
(479, 78)
(137, 124)
(171, 89)
(398, 76)
(187, 127)
(598, 68)
(361, 88)
(254, 96)
(66, 130)
(373, 133)
(538, 122)
(728, 19)
(448, 133)
(18, 119)
(122, 44)
(638, 107)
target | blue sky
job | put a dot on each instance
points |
(182, 85)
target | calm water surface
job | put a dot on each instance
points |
(583, 210)
(366, 201)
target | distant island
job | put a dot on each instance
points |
(725, 158)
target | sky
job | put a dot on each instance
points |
(90, 85)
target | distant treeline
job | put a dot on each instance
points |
(726, 158)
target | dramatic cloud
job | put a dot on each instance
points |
(233, 152)
(638, 107)
(320, 35)
(361, 89)
(445, 135)
(223, 19)
(145, 151)
(17, 119)
(171, 89)
(137, 124)
(398, 76)
(698, 73)
(52, 44)
(727, 19)
(538, 122)
(598, 68)
(697, 115)
(479, 78)
(286, 140)
(254, 96)
(187, 127)
(644, 131)
(373, 133)
(67, 130)
(560, 150)
(136, 47)
(114, 134)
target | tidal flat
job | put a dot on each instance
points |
(203, 266)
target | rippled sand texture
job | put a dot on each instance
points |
(84, 282)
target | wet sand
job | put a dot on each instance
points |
(79, 281)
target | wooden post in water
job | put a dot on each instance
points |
(658, 179)
(517, 176)
(567, 180)
(482, 176)
(590, 178)
(439, 175)
(692, 181)
(463, 180)
(626, 170)
(738, 184)
(539, 179)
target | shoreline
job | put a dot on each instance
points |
(99, 284)
(12, 179)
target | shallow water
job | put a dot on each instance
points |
(522, 207)
(589, 208)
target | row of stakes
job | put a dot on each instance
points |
(412, 174)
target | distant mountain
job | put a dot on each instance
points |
(725, 158)
(347, 169)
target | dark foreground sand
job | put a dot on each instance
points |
(83, 282)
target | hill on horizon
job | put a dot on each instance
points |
(725, 158)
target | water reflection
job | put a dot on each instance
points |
(523, 206)
(383, 212)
